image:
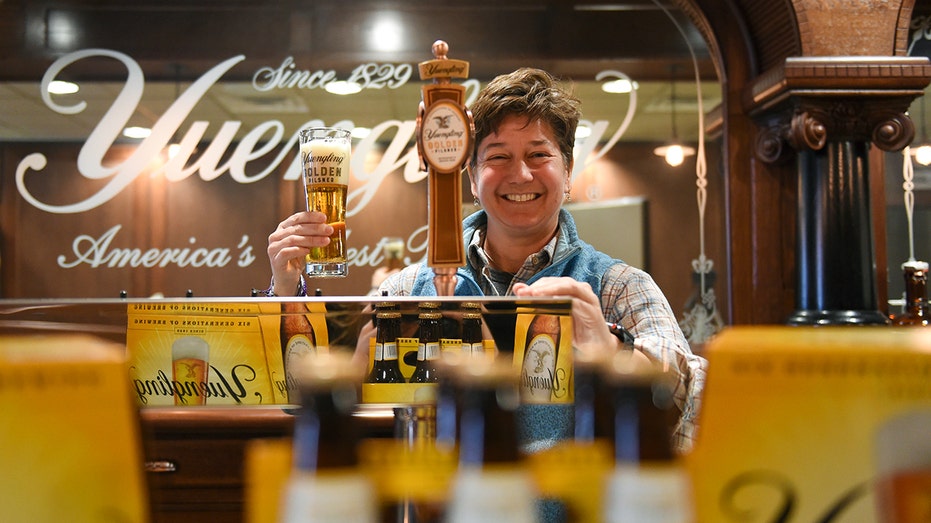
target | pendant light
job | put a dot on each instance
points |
(674, 151)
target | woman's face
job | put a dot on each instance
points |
(521, 179)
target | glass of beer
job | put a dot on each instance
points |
(325, 154)
(189, 367)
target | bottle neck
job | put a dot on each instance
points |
(915, 291)
(325, 434)
(642, 431)
(488, 431)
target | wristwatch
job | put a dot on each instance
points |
(622, 334)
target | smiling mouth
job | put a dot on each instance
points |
(521, 197)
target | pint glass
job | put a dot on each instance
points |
(325, 154)
(190, 362)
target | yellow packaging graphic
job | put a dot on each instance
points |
(302, 332)
(70, 446)
(795, 423)
(198, 354)
(543, 353)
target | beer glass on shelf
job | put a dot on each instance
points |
(325, 154)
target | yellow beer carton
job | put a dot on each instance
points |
(70, 443)
(812, 424)
(543, 353)
(198, 354)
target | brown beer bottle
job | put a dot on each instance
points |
(492, 483)
(472, 339)
(297, 341)
(915, 311)
(385, 368)
(649, 482)
(428, 346)
(538, 368)
(326, 483)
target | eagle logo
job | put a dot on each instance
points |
(443, 121)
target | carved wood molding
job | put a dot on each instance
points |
(809, 101)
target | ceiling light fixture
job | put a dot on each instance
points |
(619, 86)
(62, 87)
(342, 87)
(136, 132)
(674, 152)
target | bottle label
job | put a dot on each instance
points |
(379, 351)
(429, 350)
(344, 497)
(538, 373)
(483, 495)
(299, 347)
(390, 351)
(648, 494)
(543, 353)
(473, 348)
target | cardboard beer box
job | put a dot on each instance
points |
(192, 353)
(70, 443)
(398, 393)
(543, 353)
(815, 424)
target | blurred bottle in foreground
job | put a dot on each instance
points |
(326, 483)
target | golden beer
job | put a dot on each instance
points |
(189, 368)
(325, 158)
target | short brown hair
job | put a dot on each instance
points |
(529, 92)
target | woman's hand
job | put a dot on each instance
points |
(589, 330)
(290, 243)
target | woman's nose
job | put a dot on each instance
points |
(521, 171)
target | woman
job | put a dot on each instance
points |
(522, 243)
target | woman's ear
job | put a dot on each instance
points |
(472, 180)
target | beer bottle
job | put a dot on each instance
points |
(385, 368)
(915, 311)
(649, 482)
(326, 483)
(491, 483)
(472, 339)
(538, 368)
(428, 344)
(297, 341)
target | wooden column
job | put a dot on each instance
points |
(831, 111)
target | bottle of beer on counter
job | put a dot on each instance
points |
(915, 311)
(472, 339)
(297, 341)
(492, 482)
(538, 368)
(428, 343)
(385, 368)
(326, 483)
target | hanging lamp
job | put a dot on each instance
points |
(674, 152)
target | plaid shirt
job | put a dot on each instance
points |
(629, 297)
